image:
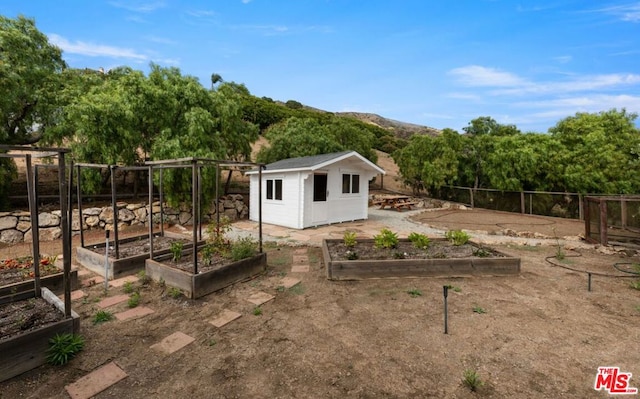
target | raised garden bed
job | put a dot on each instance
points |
(17, 277)
(27, 326)
(441, 258)
(133, 253)
(209, 278)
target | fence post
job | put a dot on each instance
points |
(522, 204)
(580, 207)
(603, 222)
(623, 211)
(471, 196)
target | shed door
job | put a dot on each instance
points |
(320, 208)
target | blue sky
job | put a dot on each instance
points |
(435, 63)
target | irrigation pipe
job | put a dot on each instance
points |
(633, 274)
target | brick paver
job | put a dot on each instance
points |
(96, 381)
(226, 317)
(90, 282)
(260, 298)
(300, 269)
(134, 313)
(173, 342)
(289, 282)
(112, 300)
(119, 282)
(75, 295)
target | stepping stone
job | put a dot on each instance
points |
(300, 269)
(226, 317)
(259, 298)
(119, 282)
(95, 382)
(75, 295)
(300, 251)
(173, 343)
(112, 300)
(300, 259)
(134, 313)
(90, 282)
(289, 282)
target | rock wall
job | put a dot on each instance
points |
(16, 226)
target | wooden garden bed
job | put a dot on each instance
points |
(26, 351)
(207, 281)
(441, 260)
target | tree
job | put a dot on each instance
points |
(30, 69)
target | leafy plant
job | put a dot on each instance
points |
(257, 311)
(419, 241)
(479, 310)
(481, 253)
(207, 254)
(143, 277)
(350, 239)
(217, 235)
(102, 316)
(176, 250)
(243, 248)
(472, 380)
(399, 255)
(635, 285)
(386, 239)
(174, 292)
(414, 292)
(351, 255)
(64, 347)
(457, 237)
(454, 288)
(128, 287)
(134, 300)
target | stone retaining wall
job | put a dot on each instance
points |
(16, 226)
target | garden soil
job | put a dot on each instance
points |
(539, 334)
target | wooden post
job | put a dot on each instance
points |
(623, 211)
(150, 213)
(581, 210)
(79, 194)
(522, 204)
(114, 205)
(603, 222)
(587, 219)
(65, 223)
(35, 226)
(194, 212)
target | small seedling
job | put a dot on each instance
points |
(280, 288)
(162, 283)
(414, 292)
(102, 316)
(63, 347)
(212, 342)
(174, 292)
(134, 300)
(479, 310)
(559, 252)
(635, 285)
(128, 287)
(419, 241)
(454, 288)
(386, 239)
(176, 250)
(400, 255)
(457, 237)
(350, 239)
(143, 277)
(472, 380)
(257, 311)
(481, 253)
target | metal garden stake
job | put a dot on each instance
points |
(106, 263)
(445, 289)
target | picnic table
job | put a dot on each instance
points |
(397, 202)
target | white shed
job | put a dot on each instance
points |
(315, 190)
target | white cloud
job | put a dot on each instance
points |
(581, 83)
(95, 50)
(627, 12)
(563, 59)
(139, 6)
(465, 96)
(161, 40)
(476, 75)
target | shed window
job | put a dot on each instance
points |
(274, 189)
(350, 184)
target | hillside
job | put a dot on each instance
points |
(400, 129)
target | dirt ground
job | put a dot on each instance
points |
(543, 334)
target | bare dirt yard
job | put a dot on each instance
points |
(540, 334)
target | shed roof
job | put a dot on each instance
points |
(315, 162)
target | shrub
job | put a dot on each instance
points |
(176, 250)
(386, 239)
(243, 248)
(419, 241)
(457, 237)
(134, 300)
(350, 239)
(175, 292)
(472, 379)
(102, 316)
(63, 347)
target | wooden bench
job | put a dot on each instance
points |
(399, 205)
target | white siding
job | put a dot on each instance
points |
(283, 212)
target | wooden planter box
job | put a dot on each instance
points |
(124, 266)
(53, 282)
(393, 268)
(198, 285)
(28, 350)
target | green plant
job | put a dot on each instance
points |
(257, 311)
(212, 342)
(481, 253)
(134, 300)
(479, 310)
(399, 255)
(143, 277)
(414, 292)
(207, 254)
(128, 287)
(280, 288)
(419, 241)
(559, 252)
(457, 237)
(635, 285)
(174, 292)
(454, 288)
(176, 250)
(351, 255)
(217, 235)
(63, 347)
(243, 248)
(386, 239)
(472, 380)
(102, 316)
(350, 239)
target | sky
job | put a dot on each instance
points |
(430, 62)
